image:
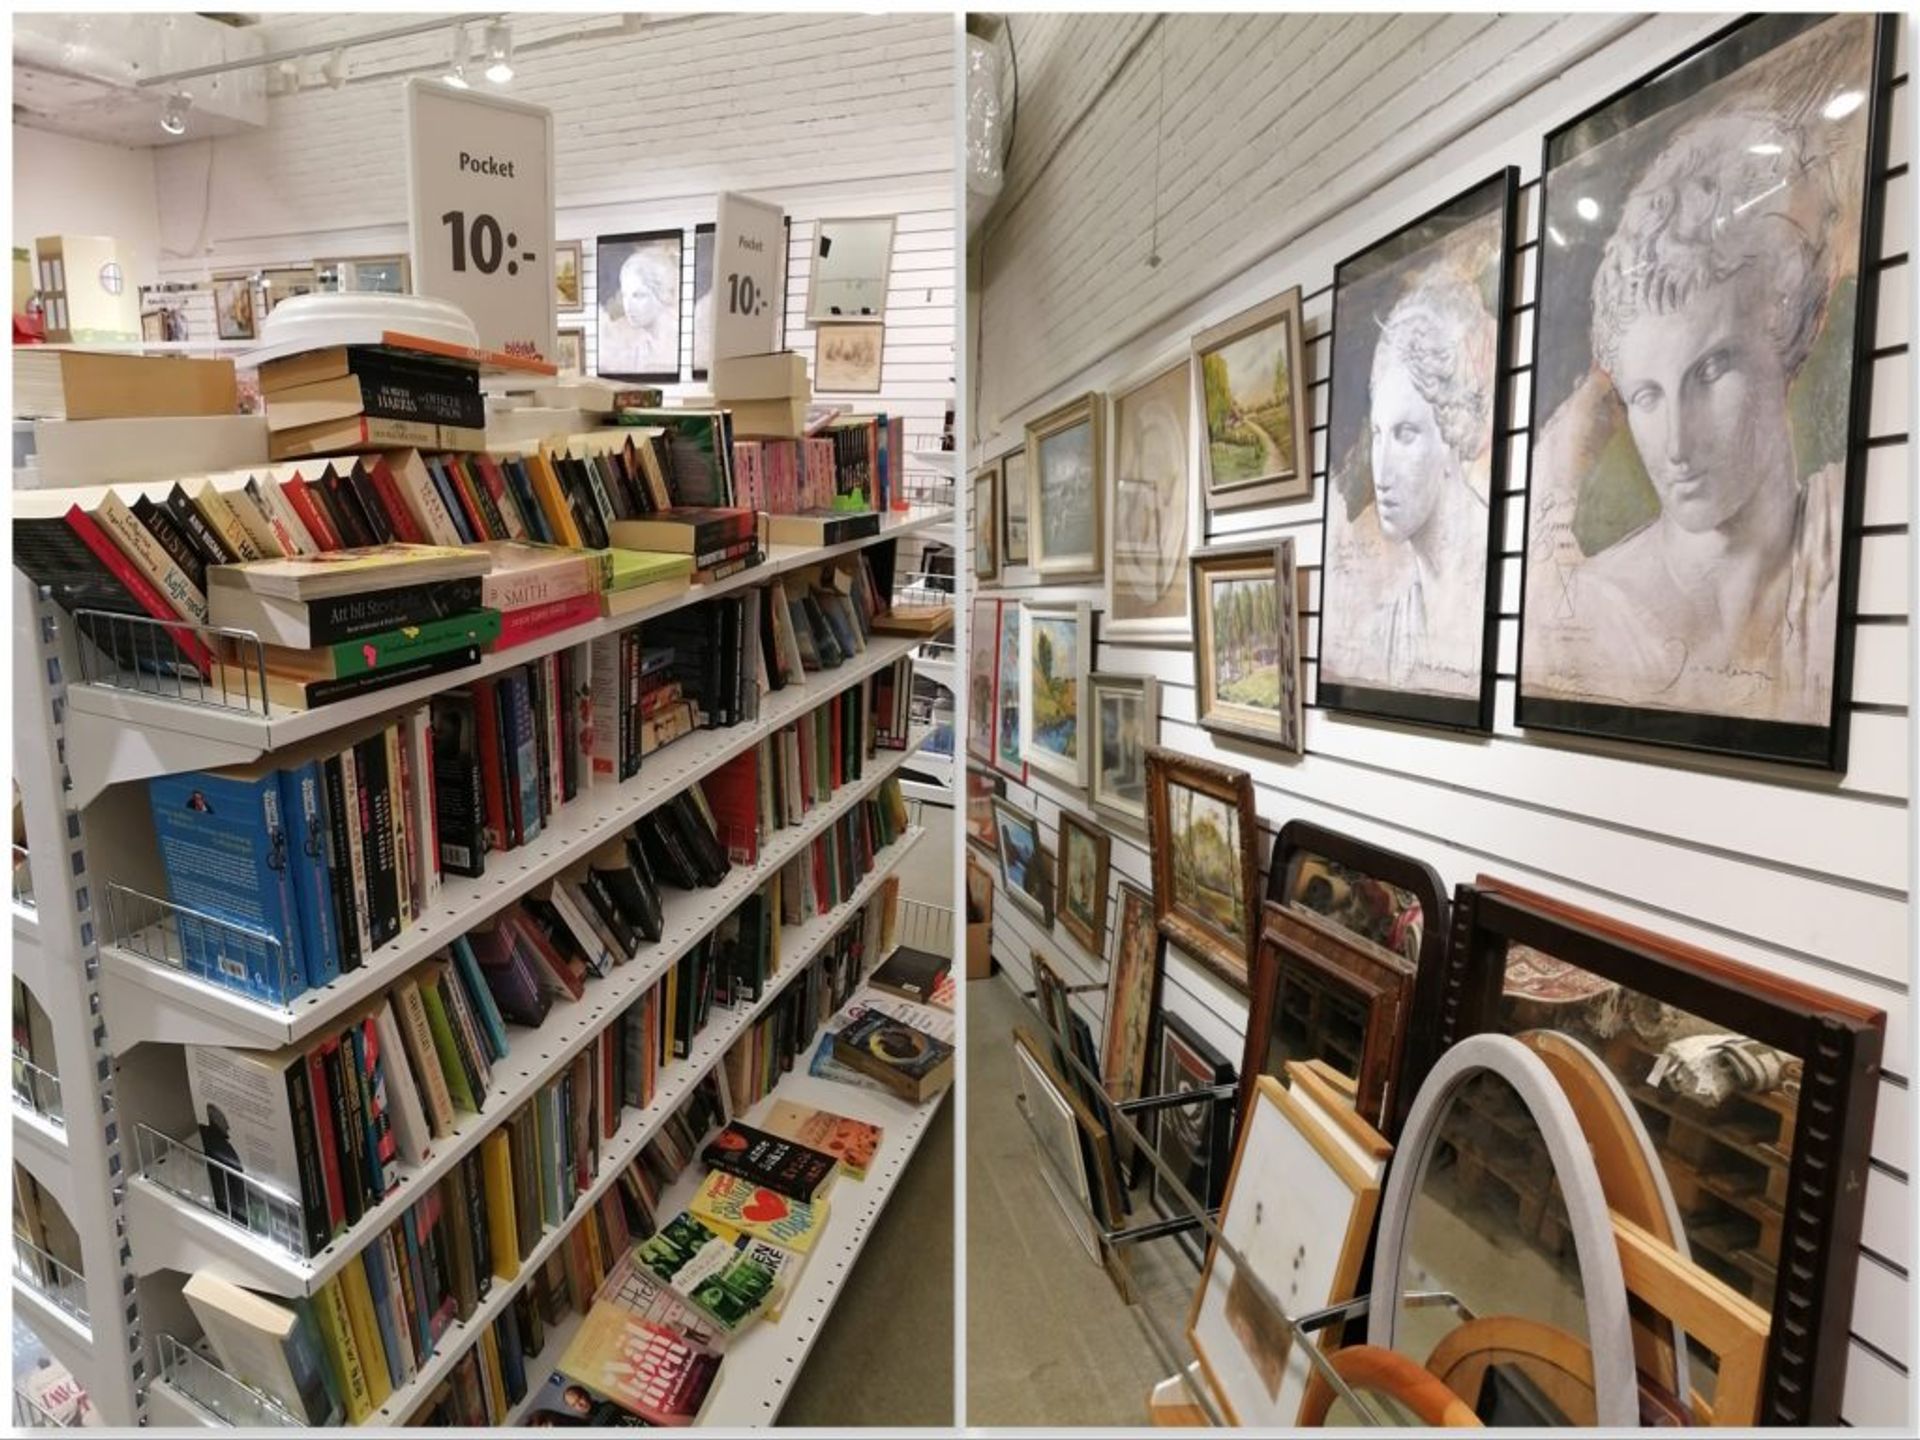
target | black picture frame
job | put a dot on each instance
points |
(709, 231)
(1817, 747)
(1498, 193)
(1208, 1068)
(625, 244)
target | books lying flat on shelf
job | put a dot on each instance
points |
(474, 629)
(908, 1060)
(853, 1143)
(304, 624)
(643, 1367)
(344, 381)
(822, 527)
(57, 384)
(740, 1207)
(786, 1166)
(708, 1269)
(271, 1346)
(910, 973)
(351, 572)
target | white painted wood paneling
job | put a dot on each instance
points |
(1285, 143)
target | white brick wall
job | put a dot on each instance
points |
(1288, 143)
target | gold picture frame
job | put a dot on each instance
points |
(1239, 412)
(1065, 512)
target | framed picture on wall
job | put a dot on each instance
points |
(986, 524)
(233, 308)
(852, 263)
(1023, 861)
(983, 643)
(983, 788)
(566, 275)
(637, 319)
(1691, 547)
(1193, 1140)
(1122, 725)
(1153, 507)
(1246, 650)
(1014, 495)
(1063, 476)
(1007, 754)
(1080, 897)
(1250, 390)
(1409, 623)
(571, 352)
(1056, 642)
(847, 354)
(702, 321)
(1205, 860)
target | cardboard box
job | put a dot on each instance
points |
(979, 920)
(780, 376)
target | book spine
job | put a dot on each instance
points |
(186, 599)
(225, 523)
(299, 495)
(346, 1125)
(336, 1334)
(313, 1188)
(357, 486)
(320, 1102)
(136, 584)
(349, 922)
(405, 863)
(376, 839)
(422, 795)
(302, 803)
(418, 1035)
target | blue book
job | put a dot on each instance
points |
(492, 1027)
(451, 499)
(383, 1310)
(526, 753)
(422, 1315)
(303, 802)
(513, 1365)
(383, 1151)
(224, 842)
(515, 471)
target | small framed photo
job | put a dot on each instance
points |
(1056, 641)
(1250, 389)
(847, 356)
(983, 788)
(1006, 695)
(566, 275)
(1205, 860)
(1023, 861)
(570, 354)
(1081, 895)
(1015, 493)
(1064, 474)
(986, 524)
(234, 315)
(1246, 654)
(1124, 723)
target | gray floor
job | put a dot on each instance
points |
(1049, 1341)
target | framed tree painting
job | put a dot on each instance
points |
(233, 307)
(1015, 493)
(1246, 651)
(983, 651)
(1153, 509)
(1250, 390)
(1702, 357)
(986, 524)
(570, 352)
(1193, 1140)
(1006, 739)
(1023, 867)
(1205, 860)
(1408, 620)
(983, 788)
(1123, 724)
(1063, 476)
(1055, 644)
(1080, 897)
(637, 319)
(566, 275)
(1133, 995)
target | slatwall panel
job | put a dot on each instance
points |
(1803, 876)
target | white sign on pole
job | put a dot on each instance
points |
(480, 212)
(749, 262)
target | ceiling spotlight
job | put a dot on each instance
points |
(173, 115)
(336, 69)
(456, 75)
(499, 38)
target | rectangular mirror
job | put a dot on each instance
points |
(851, 263)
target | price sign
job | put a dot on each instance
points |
(749, 260)
(480, 212)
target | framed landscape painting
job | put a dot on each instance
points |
(1023, 861)
(1246, 652)
(1006, 739)
(983, 648)
(1080, 898)
(1015, 493)
(1063, 475)
(1409, 625)
(1123, 725)
(986, 524)
(1702, 356)
(1205, 860)
(1055, 643)
(1133, 991)
(1153, 508)
(566, 275)
(983, 788)
(1250, 389)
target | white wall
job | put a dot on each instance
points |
(63, 186)
(1289, 143)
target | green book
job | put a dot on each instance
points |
(633, 568)
(443, 1044)
(390, 648)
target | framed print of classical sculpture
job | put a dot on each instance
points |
(1152, 508)
(1205, 865)
(1408, 627)
(637, 319)
(1006, 734)
(983, 650)
(1063, 477)
(986, 524)
(1702, 356)
(1015, 492)
(1123, 724)
(1246, 643)
(1056, 642)
(1194, 1140)
(1250, 391)
(1767, 1084)
(1080, 898)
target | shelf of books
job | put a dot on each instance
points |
(618, 1155)
(153, 997)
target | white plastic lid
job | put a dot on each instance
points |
(314, 322)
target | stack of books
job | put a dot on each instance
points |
(371, 397)
(767, 395)
(719, 541)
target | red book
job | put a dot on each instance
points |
(109, 554)
(493, 780)
(554, 965)
(733, 794)
(311, 515)
(469, 501)
(496, 483)
(405, 528)
(329, 1145)
(535, 622)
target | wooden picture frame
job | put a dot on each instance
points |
(1195, 1139)
(1056, 1117)
(1234, 612)
(1082, 908)
(565, 251)
(1153, 509)
(570, 349)
(1023, 861)
(1837, 1041)
(983, 788)
(983, 676)
(1321, 984)
(1016, 495)
(985, 519)
(236, 307)
(1133, 995)
(1285, 470)
(1053, 689)
(1123, 724)
(1296, 1193)
(849, 356)
(1065, 520)
(1222, 940)
(1007, 757)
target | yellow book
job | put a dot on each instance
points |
(366, 1331)
(496, 1380)
(503, 1234)
(546, 489)
(343, 1356)
(733, 1206)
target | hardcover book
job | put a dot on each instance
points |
(907, 1060)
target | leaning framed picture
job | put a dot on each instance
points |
(637, 319)
(1082, 1173)
(1123, 724)
(1153, 507)
(1193, 1140)
(1023, 860)
(983, 651)
(1006, 732)
(1205, 860)
(1056, 643)
(983, 788)
(1080, 897)
(1250, 392)
(1015, 493)
(1703, 351)
(1246, 643)
(1063, 477)
(1133, 995)
(1409, 623)
(986, 524)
